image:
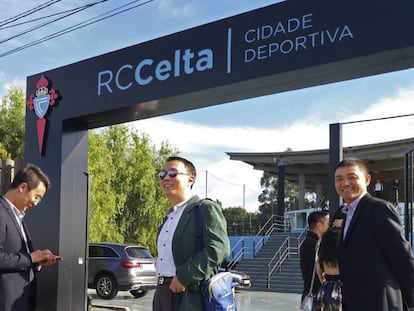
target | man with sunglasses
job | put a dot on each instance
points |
(180, 265)
(19, 262)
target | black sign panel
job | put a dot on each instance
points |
(292, 44)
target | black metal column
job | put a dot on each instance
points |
(335, 156)
(281, 191)
(408, 196)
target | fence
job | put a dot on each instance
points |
(8, 168)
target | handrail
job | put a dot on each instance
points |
(277, 223)
(284, 251)
(274, 227)
(239, 255)
(245, 250)
(267, 222)
(235, 245)
(264, 226)
(280, 255)
(301, 238)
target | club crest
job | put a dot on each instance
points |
(40, 103)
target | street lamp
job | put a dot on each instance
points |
(378, 188)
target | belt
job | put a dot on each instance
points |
(164, 280)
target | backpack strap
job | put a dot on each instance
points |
(198, 232)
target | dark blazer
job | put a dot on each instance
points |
(193, 266)
(376, 262)
(16, 292)
(307, 263)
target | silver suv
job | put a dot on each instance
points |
(117, 267)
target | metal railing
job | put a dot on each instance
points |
(274, 223)
(301, 237)
(285, 251)
(280, 256)
(274, 220)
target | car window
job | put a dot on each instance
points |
(101, 251)
(138, 252)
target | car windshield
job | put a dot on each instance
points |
(137, 252)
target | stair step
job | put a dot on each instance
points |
(286, 280)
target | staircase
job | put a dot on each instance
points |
(287, 277)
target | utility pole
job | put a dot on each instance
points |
(206, 183)
(244, 206)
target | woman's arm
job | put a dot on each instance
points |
(320, 272)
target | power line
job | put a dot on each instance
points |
(380, 119)
(74, 11)
(28, 12)
(79, 25)
(35, 20)
(231, 183)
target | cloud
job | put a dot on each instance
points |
(7, 83)
(170, 9)
(235, 183)
(385, 128)
(218, 177)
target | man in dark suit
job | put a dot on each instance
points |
(19, 262)
(376, 262)
(318, 224)
(180, 263)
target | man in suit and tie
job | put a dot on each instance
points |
(181, 262)
(376, 262)
(19, 262)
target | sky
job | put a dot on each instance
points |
(296, 119)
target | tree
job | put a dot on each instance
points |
(124, 164)
(240, 222)
(103, 198)
(144, 208)
(117, 141)
(268, 197)
(12, 124)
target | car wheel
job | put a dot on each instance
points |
(106, 287)
(138, 293)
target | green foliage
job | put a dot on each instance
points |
(268, 197)
(3, 152)
(103, 198)
(125, 192)
(240, 222)
(12, 124)
(140, 216)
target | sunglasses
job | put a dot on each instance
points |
(172, 172)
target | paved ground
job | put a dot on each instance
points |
(246, 301)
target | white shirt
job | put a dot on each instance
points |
(19, 218)
(165, 261)
(350, 210)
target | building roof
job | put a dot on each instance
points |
(385, 161)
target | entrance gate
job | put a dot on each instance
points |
(285, 46)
